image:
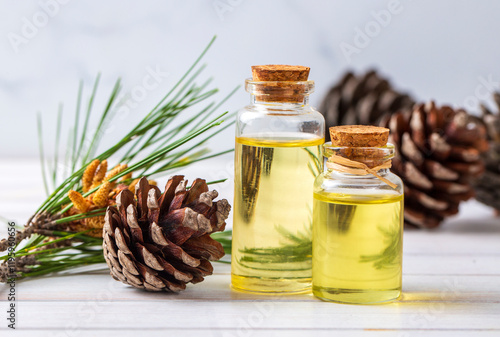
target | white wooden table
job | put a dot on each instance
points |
(451, 285)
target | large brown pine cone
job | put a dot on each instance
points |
(439, 152)
(487, 186)
(160, 242)
(363, 99)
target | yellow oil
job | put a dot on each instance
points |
(357, 247)
(272, 222)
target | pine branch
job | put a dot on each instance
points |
(154, 146)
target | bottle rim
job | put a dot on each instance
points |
(371, 156)
(279, 91)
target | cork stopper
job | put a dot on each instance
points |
(359, 136)
(362, 143)
(279, 72)
(285, 83)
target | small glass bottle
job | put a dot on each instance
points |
(277, 157)
(358, 220)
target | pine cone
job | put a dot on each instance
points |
(160, 242)
(487, 186)
(439, 152)
(362, 100)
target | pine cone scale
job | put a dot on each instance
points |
(410, 150)
(415, 177)
(426, 200)
(439, 148)
(451, 187)
(169, 194)
(157, 235)
(177, 252)
(148, 258)
(127, 263)
(437, 170)
(204, 247)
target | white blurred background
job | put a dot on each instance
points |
(445, 50)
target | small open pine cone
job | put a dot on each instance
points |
(439, 154)
(160, 242)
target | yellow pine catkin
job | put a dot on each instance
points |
(88, 175)
(126, 177)
(116, 170)
(95, 223)
(79, 201)
(99, 175)
(152, 182)
(100, 197)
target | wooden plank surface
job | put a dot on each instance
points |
(451, 287)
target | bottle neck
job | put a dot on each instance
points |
(280, 103)
(280, 94)
(381, 172)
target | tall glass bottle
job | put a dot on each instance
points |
(278, 155)
(358, 226)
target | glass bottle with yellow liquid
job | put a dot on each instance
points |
(278, 155)
(358, 219)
